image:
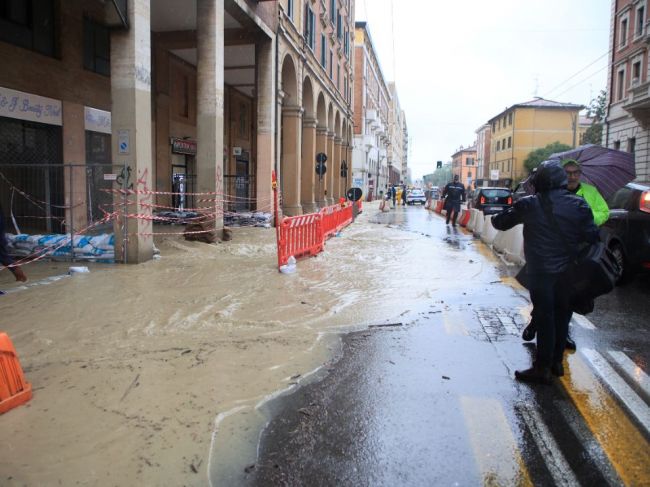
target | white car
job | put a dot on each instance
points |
(415, 196)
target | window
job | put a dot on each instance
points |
(470, 162)
(510, 118)
(622, 40)
(636, 72)
(29, 24)
(310, 28)
(346, 43)
(617, 144)
(290, 9)
(323, 50)
(97, 48)
(331, 65)
(498, 145)
(509, 142)
(504, 121)
(333, 11)
(618, 201)
(339, 26)
(640, 20)
(631, 145)
(503, 144)
(338, 77)
(619, 85)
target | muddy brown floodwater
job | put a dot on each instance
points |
(155, 374)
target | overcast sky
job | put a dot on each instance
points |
(459, 63)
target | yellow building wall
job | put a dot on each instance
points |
(532, 129)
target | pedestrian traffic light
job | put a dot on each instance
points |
(439, 165)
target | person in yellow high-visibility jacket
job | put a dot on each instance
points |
(399, 195)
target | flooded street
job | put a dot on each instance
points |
(154, 371)
(402, 336)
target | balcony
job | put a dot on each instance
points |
(638, 103)
(371, 116)
(369, 141)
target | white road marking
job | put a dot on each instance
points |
(630, 399)
(583, 322)
(632, 371)
(557, 465)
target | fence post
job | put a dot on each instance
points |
(71, 203)
(274, 185)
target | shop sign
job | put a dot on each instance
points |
(183, 146)
(32, 108)
(97, 120)
(494, 175)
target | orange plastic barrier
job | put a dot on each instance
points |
(439, 206)
(299, 236)
(14, 390)
(334, 218)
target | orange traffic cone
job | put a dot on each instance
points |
(14, 390)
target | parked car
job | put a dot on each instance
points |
(491, 200)
(415, 196)
(627, 232)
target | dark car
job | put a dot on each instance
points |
(627, 232)
(492, 200)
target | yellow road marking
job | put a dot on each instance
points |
(495, 449)
(627, 449)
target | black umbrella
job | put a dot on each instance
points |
(607, 169)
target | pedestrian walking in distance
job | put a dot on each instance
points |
(454, 194)
(556, 222)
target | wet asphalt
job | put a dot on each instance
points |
(431, 400)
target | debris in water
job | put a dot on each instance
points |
(294, 377)
(445, 377)
(249, 469)
(384, 325)
(304, 411)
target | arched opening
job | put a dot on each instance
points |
(290, 132)
(308, 148)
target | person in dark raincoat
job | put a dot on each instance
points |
(454, 194)
(556, 224)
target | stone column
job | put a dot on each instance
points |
(131, 129)
(321, 146)
(308, 176)
(210, 103)
(74, 160)
(265, 90)
(291, 155)
(336, 170)
(330, 169)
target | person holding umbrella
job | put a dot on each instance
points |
(553, 220)
(599, 210)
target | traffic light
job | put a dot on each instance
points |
(439, 165)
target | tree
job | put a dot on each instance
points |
(596, 110)
(538, 156)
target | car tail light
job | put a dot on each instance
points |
(644, 204)
(482, 200)
(509, 200)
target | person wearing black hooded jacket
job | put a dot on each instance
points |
(556, 224)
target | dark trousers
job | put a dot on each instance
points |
(550, 297)
(455, 209)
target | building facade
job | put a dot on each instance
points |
(169, 100)
(397, 139)
(627, 122)
(316, 73)
(483, 144)
(525, 127)
(464, 165)
(371, 118)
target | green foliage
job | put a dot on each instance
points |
(441, 176)
(596, 109)
(538, 156)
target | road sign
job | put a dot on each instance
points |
(354, 194)
(321, 168)
(321, 158)
(123, 141)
